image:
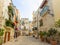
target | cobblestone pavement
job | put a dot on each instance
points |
(26, 40)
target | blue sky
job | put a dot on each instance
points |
(26, 7)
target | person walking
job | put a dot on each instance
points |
(15, 31)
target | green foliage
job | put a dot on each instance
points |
(57, 24)
(1, 41)
(52, 31)
(48, 34)
(9, 23)
(10, 10)
(1, 32)
(42, 33)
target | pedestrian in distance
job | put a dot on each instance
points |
(15, 31)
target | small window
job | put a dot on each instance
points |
(41, 22)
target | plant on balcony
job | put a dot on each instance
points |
(9, 23)
(1, 34)
(10, 10)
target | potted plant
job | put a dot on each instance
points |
(45, 36)
(42, 35)
(53, 41)
(1, 35)
(9, 23)
(10, 10)
(52, 35)
(58, 38)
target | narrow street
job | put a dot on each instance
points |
(26, 40)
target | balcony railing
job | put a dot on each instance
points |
(44, 10)
(10, 10)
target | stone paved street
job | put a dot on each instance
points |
(26, 40)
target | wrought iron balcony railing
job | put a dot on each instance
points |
(44, 10)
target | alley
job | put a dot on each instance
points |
(26, 40)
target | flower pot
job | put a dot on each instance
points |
(53, 42)
(45, 39)
(48, 40)
(41, 37)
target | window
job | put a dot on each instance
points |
(41, 22)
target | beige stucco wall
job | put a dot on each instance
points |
(1, 14)
(56, 8)
(3, 11)
(48, 22)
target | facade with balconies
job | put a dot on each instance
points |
(47, 15)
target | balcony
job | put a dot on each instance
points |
(44, 10)
(10, 10)
(43, 3)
